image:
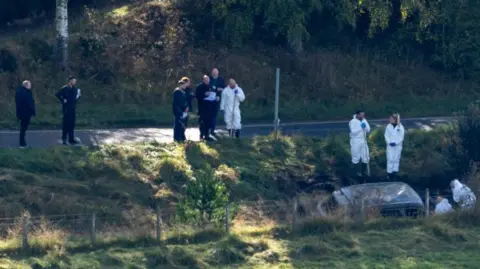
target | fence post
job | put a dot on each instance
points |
(93, 229)
(277, 100)
(227, 217)
(25, 220)
(427, 202)
(362, 211)
(159, 224)
(294, 214)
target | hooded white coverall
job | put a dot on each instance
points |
(394, 135)
(358, 144)
(443, 207)
(463, 195)
(230, 104)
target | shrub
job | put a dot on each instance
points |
(8, 62)
(469, 132)
(205, 200)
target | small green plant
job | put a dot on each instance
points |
(205, 200)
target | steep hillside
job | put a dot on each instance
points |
(128, 59)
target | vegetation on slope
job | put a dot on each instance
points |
(63, 180)
(129, 59)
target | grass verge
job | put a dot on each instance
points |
(385, 243)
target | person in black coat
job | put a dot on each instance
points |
(68, 96)
(189, 95)
(180, 110)
(206, 107)
(217, 84)
(25, 106)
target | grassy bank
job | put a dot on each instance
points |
(85, 179)
(450, 242)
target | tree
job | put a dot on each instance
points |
(62, 33)
(205, 199)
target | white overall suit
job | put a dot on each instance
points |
(394, 135)
(443, 207)
(463, 195)
(230, 104)
(358, 144)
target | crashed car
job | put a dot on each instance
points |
(388, 198)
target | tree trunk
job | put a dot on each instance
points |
(62, 34)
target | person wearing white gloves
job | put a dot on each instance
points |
(442, 206)
(463, 195)
(232, 96)
(359, 128)
(394, 135)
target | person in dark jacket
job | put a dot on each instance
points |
(206, 107)
(68, 96)
(217, 84)
(189, 95)
(25, 106)
(180, 110)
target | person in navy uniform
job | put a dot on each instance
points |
(180, 110)
(25, 106)
(68, 97)
(217, 84)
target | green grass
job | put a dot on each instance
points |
(123, 91)
(111, 177)
(399, 244)
(103, 115)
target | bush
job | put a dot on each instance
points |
(8, 62)
(40, 50)
(205, 200)
(469, 132)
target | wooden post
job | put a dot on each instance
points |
(93, 229)
(159, 224)
(294, 214)
(227, 217)
(427, 202)
(362, 210)
(277, 100)
(25, 232)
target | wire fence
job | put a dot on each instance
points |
(164, 225)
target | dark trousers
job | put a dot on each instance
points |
(23, 130)
(214, 117)
(206, 119)
(68, 128)
(179, 127)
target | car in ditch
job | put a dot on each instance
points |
(386, 198)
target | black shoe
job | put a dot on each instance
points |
(237, 133)
(73, 143)
(209, 139)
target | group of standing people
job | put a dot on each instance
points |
(394, 135)
(213, 96)
(68, 96)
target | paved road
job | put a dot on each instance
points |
(47, 138)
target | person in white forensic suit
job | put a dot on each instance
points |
(394, 135)
(359, 129)
(463, 195)
(442, 206)
(232, 96)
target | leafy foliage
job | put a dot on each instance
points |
(205, 199)
(469, 133)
